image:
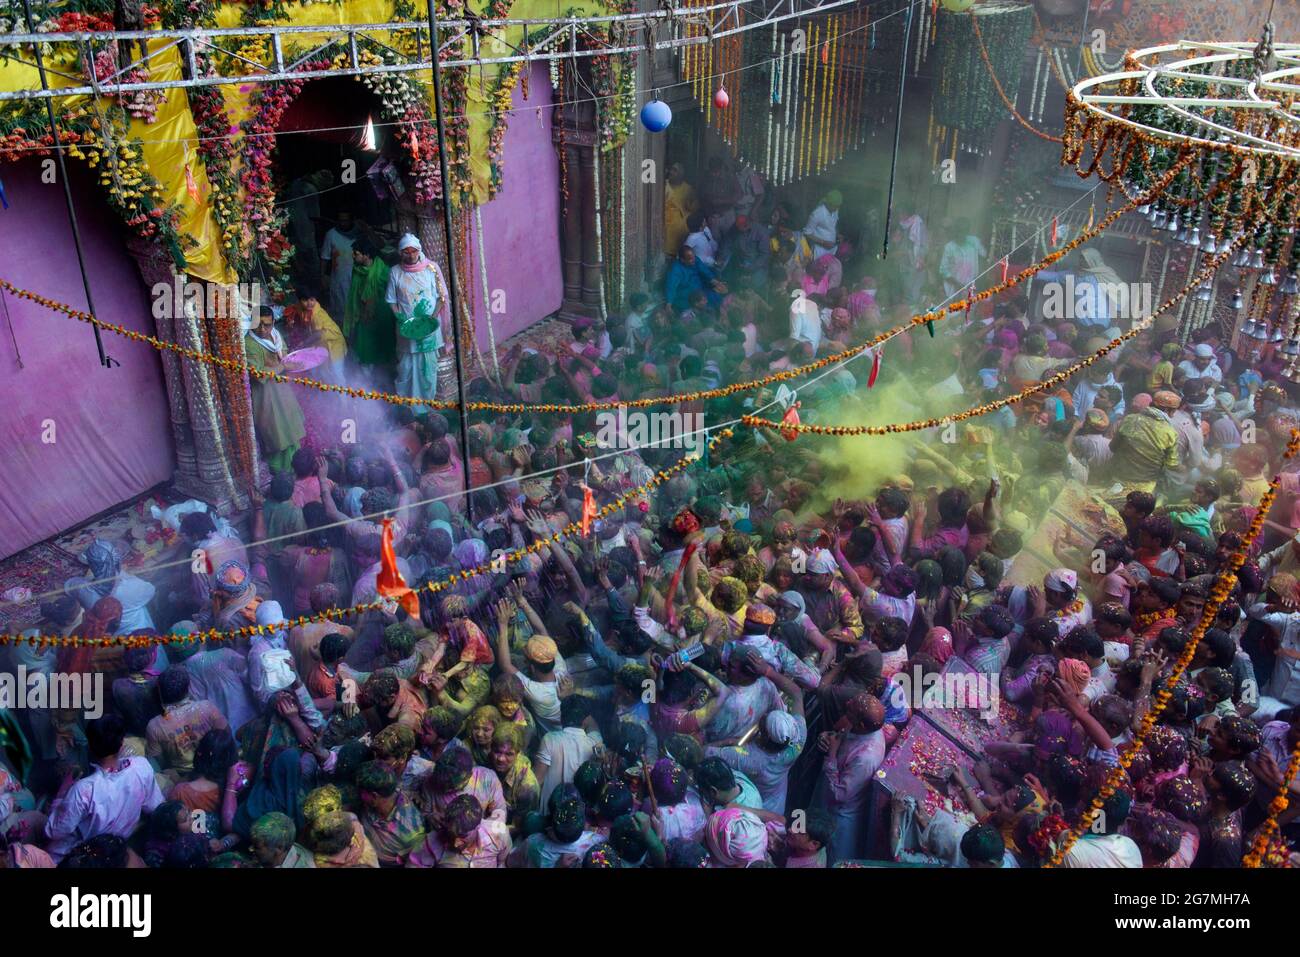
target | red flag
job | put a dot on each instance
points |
(1054, 230)
(674, 582)
(588, 510)
(390, 583)
(791, 417)
(875, 369)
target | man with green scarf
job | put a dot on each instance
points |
(368, 321)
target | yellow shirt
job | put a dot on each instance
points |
(331, 336)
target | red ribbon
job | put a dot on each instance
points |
(791, 417)
(875, 370)
(390, 583)
(675, 581)
(1006, 267)
(1054, 230)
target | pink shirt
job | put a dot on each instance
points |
(104, 802)
(306, 490)
(487, 844)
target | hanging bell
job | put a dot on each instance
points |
(1277, 335)
(1248, 328)
(1158, 218)
(1144, 209)
(1292, 347)
(1261, 331)
(1257, 259)
(1268, 278)
(1291, 284)
(1172, 225)
(1181, 235)
(1237, 301)
(1242, 259)
(1204, 291)
(1211, 245)
(1194, 240)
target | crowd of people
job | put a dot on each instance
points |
(714, 676)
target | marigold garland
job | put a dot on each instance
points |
(1219, 593)
(334, 614)
(997, 84)
(786, 375)
(1264, 837)
(1032, 389)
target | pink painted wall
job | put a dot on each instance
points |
(521, 226)
(112, 435)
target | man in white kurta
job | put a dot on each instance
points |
(336, 262)
(822, 228)
(415, 280)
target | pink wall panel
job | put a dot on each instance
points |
(111, 430)
(521, 226)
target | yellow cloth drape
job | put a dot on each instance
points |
(170, 142)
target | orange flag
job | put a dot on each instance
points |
(390, 583)
(588, 510)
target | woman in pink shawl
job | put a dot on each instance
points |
(822, 275)
(862, 303)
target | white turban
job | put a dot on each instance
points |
(821, 563)
(781, 726)
(736, 838)
(270, 613)
(409, 242)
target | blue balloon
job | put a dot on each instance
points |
(656, 115)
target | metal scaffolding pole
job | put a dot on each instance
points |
(453, 283)
(104, 360)
(709, 23)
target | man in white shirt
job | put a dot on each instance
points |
(336, 261)
(109, 800)
(1202, 365)
(562, 752)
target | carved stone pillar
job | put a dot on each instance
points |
(593, 271)
(202, 469)
(583, 268)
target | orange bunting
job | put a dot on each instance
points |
(390, 583)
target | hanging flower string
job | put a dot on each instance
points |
(1264, 838)
(1032, 389)
(335, 614)
(1219, 593)
(927, 319)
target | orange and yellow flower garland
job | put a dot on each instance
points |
(1042, 386)
(1219, 593)
(1260, 846)
(960, 306)
(334, 614)
(997, 84)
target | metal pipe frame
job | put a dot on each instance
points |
(1154, 66)
(561, 42)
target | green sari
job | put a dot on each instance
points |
(369, 320)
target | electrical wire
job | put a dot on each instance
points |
(470, 114)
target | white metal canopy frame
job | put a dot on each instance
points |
(482, 39)
(1244, 95)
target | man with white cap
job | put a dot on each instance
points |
(1202, 365)
(805, 320)
(777, 745)
(418, 295)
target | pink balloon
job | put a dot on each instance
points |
(721, 99)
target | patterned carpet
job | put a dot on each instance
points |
(44, 568)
